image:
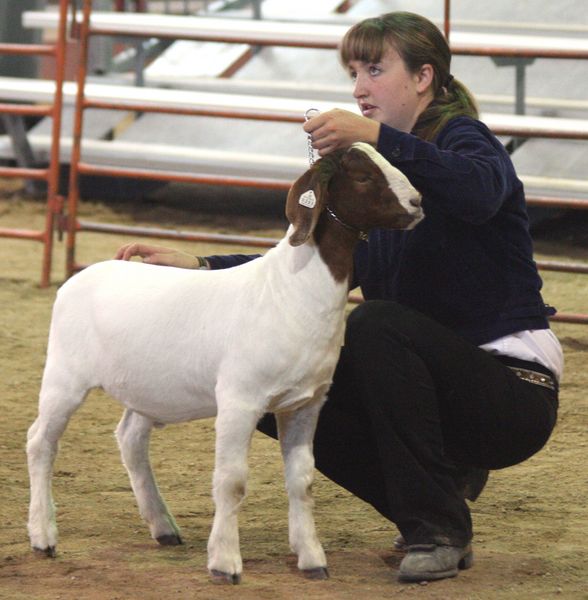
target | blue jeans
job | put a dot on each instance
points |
(411, 406)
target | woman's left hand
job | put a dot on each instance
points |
(157, 255)
(339, 128)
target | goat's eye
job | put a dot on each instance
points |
(362, 178)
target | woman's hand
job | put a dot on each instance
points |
(339, 128)
(158, 255)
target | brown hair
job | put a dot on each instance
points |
(418, 41)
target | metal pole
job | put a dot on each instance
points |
(54, 201)
(446, 19)
(74, 176)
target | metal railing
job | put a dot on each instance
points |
(50, 174)
(79, 168)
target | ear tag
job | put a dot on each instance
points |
(308, 199)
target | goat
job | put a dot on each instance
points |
(174, 345)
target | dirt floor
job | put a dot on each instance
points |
(531, 523)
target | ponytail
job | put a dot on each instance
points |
(451, 100)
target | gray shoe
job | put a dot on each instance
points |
(427, 562)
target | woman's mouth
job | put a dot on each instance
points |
(367, 109)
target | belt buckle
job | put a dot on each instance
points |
(534, 377)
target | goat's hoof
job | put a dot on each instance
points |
(316, 573)
(50, 551)
(221, 577)
(170, 539)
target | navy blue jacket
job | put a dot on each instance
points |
(469, 263)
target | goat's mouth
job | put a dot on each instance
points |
(407, 220)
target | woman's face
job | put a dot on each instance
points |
(388, 93)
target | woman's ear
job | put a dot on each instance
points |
(424, 78)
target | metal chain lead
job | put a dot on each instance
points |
(311, 112)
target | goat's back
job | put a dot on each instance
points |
(154, 336)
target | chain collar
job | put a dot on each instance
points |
(363, 235)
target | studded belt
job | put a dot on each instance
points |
(535, 377)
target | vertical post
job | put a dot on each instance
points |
(100, 50)
(447, 19)
(520, 96)
(256, 5)
(520, 84)
(74, 175)
(53, 199)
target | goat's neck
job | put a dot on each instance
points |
(313, 277)
(336, 243)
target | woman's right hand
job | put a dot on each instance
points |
(338, 128)
(158, 255)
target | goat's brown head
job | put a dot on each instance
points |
(360, 187)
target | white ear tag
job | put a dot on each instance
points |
(308, 199)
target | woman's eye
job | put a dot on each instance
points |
(375, 70)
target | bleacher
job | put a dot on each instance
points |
(249, 108)
(219, 98)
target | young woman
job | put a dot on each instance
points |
(449, 368)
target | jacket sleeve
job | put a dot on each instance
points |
(466, 170)
(226, 261)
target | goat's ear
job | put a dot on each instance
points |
(304, 205)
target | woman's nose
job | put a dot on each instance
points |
(358, 87)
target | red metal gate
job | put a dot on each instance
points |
(50, 174)
(78, 168)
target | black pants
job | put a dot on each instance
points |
(411, 404)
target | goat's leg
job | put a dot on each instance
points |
(133, 433)
(57, 402)
(234, 429)
(296, 433)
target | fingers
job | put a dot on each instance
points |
(145, 251)
(322, 138)
(317, 127)
(324, 147)
(328, 130)
(313, 123)
(157, 255)
(339, 128)
(126, 252)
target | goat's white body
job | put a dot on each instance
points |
(175, 345)
(164, 341)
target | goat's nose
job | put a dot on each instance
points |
(415, 201)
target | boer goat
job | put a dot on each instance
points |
(174, 345)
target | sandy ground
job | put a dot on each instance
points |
(531, 523)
